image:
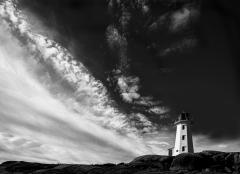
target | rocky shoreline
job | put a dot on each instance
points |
(206, 162)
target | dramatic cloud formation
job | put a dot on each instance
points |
(51, 106)
(184, 54)
(104, 89)
(32, 120)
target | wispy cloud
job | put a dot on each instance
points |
(141, 122)
(178, 47)
(160, 110)
(80, 86)
(128, 87)
(118, 42)
(52, 108)
(182, 18)
(31, 116)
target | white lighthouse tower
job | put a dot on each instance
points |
(183, 141)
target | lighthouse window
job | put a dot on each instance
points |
(183, 137)
(183, 148)
(183, 127)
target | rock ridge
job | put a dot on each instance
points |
(205, 162)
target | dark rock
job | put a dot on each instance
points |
(7, 163)
(188, 161)
(26, 167)
(78, 169)
(155, 172)
(122, 170)
(228, 170)
(52, 171)
(108, 165)
(151, 158)
(219, 158)
(154, 161)
(74, 169)
(210, 152)
(97, 170)
(206, 162)
(236, 164)
(229, 159)
(216, 161)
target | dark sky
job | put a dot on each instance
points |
(199, 74)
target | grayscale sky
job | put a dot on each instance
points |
(94, 81)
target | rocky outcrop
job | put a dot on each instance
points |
(188, 161)
(206, 162)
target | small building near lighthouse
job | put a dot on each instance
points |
(183, 139)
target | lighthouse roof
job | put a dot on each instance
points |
(183, 117)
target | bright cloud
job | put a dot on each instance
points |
(159, 110)
(181, 18)
(36, 122)
(52, 108)
(129, 87)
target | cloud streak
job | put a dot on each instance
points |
(51, 106)
(32, 117)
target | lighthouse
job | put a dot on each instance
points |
(183, 140)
